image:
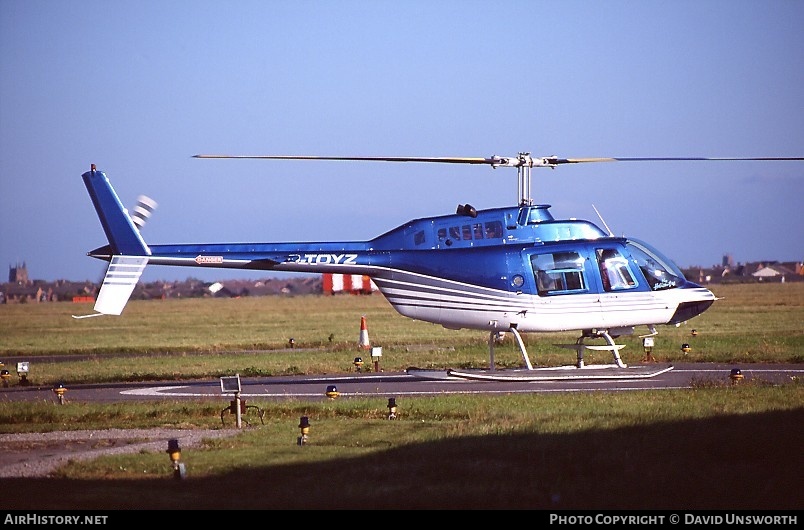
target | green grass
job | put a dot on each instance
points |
(195, 338)
(712, 446)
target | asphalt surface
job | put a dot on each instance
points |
(413, 383)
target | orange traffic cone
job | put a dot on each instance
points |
(364, 339)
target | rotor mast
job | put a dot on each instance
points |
(524, 163)
(524, 177)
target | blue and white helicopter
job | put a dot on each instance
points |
(512, 269)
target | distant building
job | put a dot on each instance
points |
(760, 271)
(18, 274)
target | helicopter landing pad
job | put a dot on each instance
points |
(602, 371)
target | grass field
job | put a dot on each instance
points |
(707, 447)
(250, 336)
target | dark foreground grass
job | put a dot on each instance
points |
(729, 462)
(716, 447)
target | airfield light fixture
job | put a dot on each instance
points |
(391, 408)
(60, 390)
(736, 376)
(685, 348)
(647, 345)
(292, 342)
(358, 362)
(5, 375)
(376, 353)
(174, 452)
(304, 426)
(694, 332)
(332, 392)
(23, 368)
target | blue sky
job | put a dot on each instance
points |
(138, 87)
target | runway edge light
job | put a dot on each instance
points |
(174, 452)
(59, 390)
(304, 426)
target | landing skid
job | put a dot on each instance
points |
(579, 347)
(559, 373)
(492, 338)
(580, 370)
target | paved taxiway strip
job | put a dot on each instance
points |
(398, 385)
(372, 385)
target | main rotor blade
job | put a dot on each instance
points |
(521, 160)
(553, 161)
(448, 160)
(681, 159)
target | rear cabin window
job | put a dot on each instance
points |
(418, 237)
(473, 232)
(494, 230)
(559, 272)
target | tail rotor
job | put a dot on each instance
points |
(142, 211)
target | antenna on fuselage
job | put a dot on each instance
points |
(611, 234)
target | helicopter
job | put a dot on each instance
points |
(513, 269)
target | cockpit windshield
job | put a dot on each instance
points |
(660, 272)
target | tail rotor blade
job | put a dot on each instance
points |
(142, 211)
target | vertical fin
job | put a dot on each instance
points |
(123, 235)
(128, 249)
(121, 277)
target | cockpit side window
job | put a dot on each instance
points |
(659, 271)
(615, 274)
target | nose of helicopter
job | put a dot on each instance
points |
(695, 300)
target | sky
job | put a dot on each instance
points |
(138, 87)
